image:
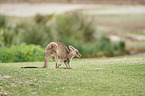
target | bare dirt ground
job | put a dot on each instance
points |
(25, 9)
(33, 9)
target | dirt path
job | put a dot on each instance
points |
(25, 9)
(122, 9)
(33, 9)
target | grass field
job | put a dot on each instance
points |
(88, 77)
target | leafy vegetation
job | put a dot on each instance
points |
(22, 53)
(93, 77)
(36, 34)
(73, 28)
(129, 27)
(2, 20)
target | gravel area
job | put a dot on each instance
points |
(26, 9)
(33, 9)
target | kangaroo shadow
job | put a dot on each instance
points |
(31, 67)
(42, 67)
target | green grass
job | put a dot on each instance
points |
(88, 77)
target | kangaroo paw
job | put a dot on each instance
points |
(44, 67)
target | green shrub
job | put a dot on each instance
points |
(74, 29)
(7, 36)
(41, 19)
(2, 21)
(74, 26)
(36, 34)
(122, 46)
(78, 30)
(21, 53)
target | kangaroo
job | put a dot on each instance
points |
(59, 51)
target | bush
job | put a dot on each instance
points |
(36, 34)
(2, 21)
(74, 26)
(40, 19)
(43, 19)
(21, 53)
(74, 29)
(7, 36)
(122, 46)
(78, 30)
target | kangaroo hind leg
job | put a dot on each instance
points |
(58, 63)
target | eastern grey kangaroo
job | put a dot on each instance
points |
(59, 51)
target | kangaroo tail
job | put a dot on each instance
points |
(46, 60)
(52, 47)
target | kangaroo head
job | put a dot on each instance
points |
(74, 51)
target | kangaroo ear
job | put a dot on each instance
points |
(71, 47)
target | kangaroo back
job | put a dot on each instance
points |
(62, 50)
(51, 46)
